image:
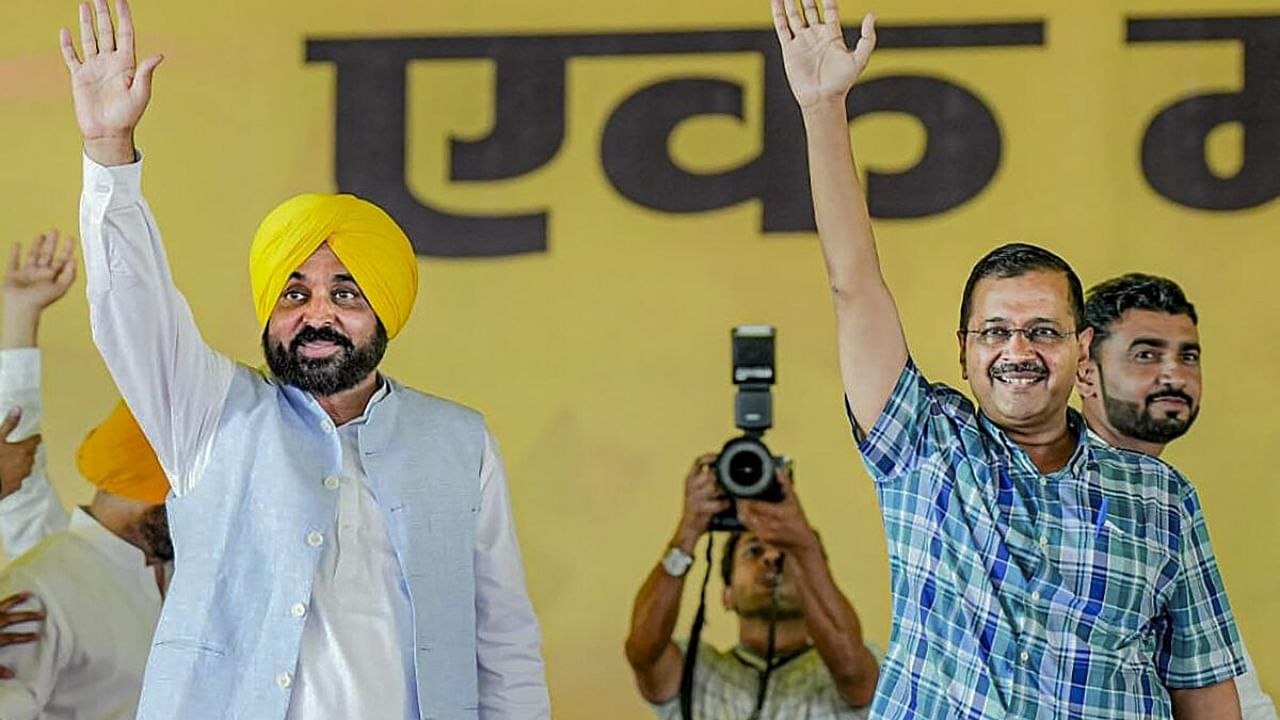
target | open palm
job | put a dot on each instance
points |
(110, 89)
(43, 276)
(818, 63)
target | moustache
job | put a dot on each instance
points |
(1026, 366)
(322, 334)
(1176, 394)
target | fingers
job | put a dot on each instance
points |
(142, 81)
(88, 42)
(66, 274)
(780, 24)
(106, 36)
(866, 41)
(14, 599)
(124, 27)
(7, 619)
(17, 638)
(794, 18)
(68, 50)
(830, 15)
(15, 257)
(810, 12)
(6, 673)
(48, 243)
(10, 422)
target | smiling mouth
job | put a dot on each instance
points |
(318, 348)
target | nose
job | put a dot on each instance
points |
(319, 311)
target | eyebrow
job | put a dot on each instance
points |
(339, 277)
(1034, 321)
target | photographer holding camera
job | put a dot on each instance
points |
(777, 582)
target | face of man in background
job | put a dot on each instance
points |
(1144, 381)
(757, 573)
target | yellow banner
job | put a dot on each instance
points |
(599, 193)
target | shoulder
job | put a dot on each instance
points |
(1156, 478)
(46, 565)
(420, 401)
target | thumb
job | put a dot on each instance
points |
(142, 79)
(10, 422)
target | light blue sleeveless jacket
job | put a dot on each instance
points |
(243, 558)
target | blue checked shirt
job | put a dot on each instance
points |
(1084, 593)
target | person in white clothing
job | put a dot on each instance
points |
(1140, 389)
(394, 586)
(96, 584)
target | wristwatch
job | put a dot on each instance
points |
(676, 562)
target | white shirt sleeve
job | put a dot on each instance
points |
(512, 680)
(174, 383)
(33, 512)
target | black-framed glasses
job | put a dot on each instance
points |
(1000, 335)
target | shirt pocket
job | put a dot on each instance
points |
(1114, 580)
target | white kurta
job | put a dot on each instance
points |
(102, 604)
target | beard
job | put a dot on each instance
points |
(329, 375)
(154, 528)
(1136, 420)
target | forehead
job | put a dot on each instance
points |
(1027, 297)
(321, 265)
(1136, 325)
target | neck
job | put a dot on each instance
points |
(349, 404)
(790, 636)
(1049, 448)
(120, 520)
(1099, 426)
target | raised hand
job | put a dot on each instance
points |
(32, 284)
(44, 275)
(820, 67)
(9, 616)
(781, 524)
(111, 90)
(703, 498)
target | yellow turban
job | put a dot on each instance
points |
(366, 240)
(117, 458)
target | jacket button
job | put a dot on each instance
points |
(298, 610)
(315, 539)
(284, 680)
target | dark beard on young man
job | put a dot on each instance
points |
(324, 376)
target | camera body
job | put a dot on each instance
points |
(745, 467)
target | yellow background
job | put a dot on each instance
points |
(602, 365)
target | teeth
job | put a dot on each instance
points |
(1018, 380)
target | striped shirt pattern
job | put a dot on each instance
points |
(1088, 592)
(725, 686)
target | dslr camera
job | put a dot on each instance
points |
(745, 467)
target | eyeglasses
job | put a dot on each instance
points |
(999, 335)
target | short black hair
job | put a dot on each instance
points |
(1109, 300)
(726, 558)
(1015, 260)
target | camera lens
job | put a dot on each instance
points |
(744, 468)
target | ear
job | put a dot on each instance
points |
(726, 599)
(1087, 378)
(1086, 339)
(961, 338)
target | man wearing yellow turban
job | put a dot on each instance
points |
(90, 586)
(345, 544)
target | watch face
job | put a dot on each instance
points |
(676, 562)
